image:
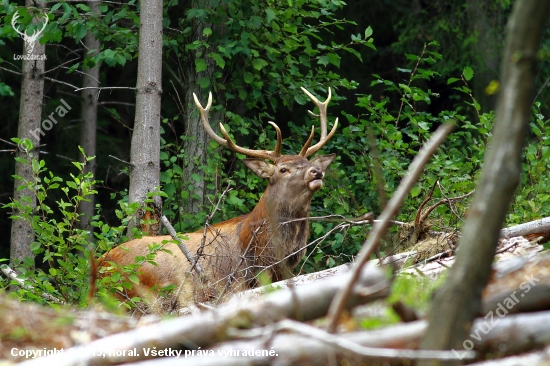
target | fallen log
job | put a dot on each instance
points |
(540, 358)
(529, 230)
(505, 336)
(204, 329)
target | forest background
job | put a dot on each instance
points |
(397, 69)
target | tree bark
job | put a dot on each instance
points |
(145, 150)
(88, 129)
(195, 146)
(457, 303)
(30, 114)
(486, 48)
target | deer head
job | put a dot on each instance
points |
(29, 40)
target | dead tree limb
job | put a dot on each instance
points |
(533, 228)
(379, 229)
(190, 257)
(301, 303)
(458, 301)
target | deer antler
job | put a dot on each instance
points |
(13, 21)
(227, 142)
(306, 150)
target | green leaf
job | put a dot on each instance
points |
(258, 63)
(368, 32)
(248, 77)
(200, 65)
(323, 60)
(468, 73)
(204, 82)
(270, 15)
(206, 32)
(452, 80)
(218, 58)
(134, 278)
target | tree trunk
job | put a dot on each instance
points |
(30, 114)
(195, 147)
(486, 48)
(457, 303)
(145, 151)
(88, 127)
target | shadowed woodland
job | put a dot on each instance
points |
(402, 152)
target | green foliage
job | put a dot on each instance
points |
(399, 124)
(261, 52)
(63, 248)
(531, 200)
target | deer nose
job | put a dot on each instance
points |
(316, 173)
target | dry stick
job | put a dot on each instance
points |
(349, 345)
(444, 200)
(417, 219)
(182, 246)
(378, 230)
(11, 274)
(242, 259)
(209, 217)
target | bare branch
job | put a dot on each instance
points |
(415, 169)
(181, 245)
(12, 275)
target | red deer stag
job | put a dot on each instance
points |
(234, 251)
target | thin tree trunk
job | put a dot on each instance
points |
(30, 114)
(195, 147)
(486, 48)
(145, 151)
(458, 302)
(88, 127)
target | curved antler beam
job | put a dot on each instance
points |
(307, 151)
(228, 143)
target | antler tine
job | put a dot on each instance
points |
(308, 142)
(323, 119)
(277, 151)
(228, 143)
(205, 122)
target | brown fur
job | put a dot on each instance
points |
(236, 250)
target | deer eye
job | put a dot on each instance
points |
(283, 170)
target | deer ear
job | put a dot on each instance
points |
(324, 161)
(260, 167)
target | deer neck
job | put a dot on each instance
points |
(275, 223)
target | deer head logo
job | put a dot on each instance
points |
(29, 40)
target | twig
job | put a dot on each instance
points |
(8, 142)
(513, 244)
(11, 274)
(125, 162)
(105, 87)
(417, 220)
(409, 84)
(361, 220)
(58, 81)
(182, 246)
(348, 345)
(415, 169)
(58, 66)
(241, 260)
(8, 70)
(210, 216)
(445, 200)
